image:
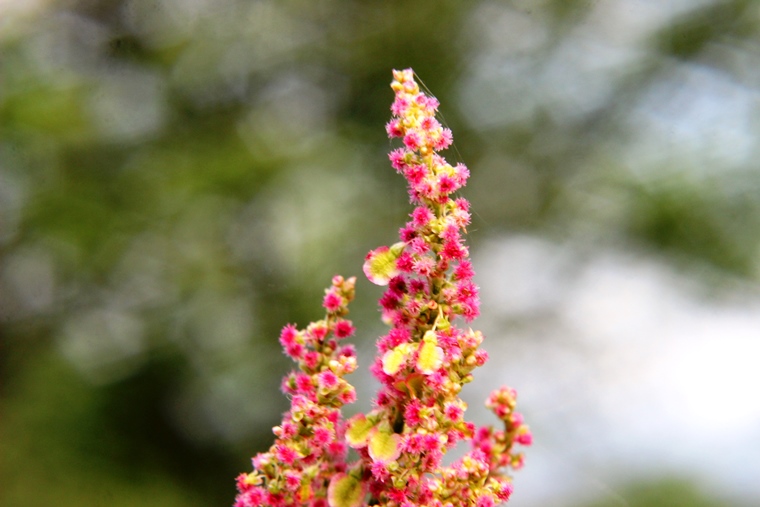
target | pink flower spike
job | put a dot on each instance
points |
(422, 362)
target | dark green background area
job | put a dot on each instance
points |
(178, 181)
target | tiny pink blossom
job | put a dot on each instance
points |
(389, 301)
(347, 351)
(462, 173)
(525, 438)
(261, 460)
(453, 250)
(405, 262)
(332, 302)
(348, 396)
(398, 159)
(431, 103)
(445, 140)
(454, 412)
(464, 271)
(419, 246)
(484, 501)
(304, 384)
(447, 185)
(344, 329)
(285, 454)
(399, 106)
(407, 233)
(289, 430)
(397, 285)
(254, 497)
(412, 413)
(394, 129)
(311, 359)
(327, 379)
(505, 491)
(292, 479)
(379, 471)
(413, 140)
(294, 350)
(318, 331)
(423, 266)
(413, 443)
(422, 216)
(337, 449)
(415, 173)
(430, 124)
(322, 436)
(288, 335)
(481, 357)
(430, 443)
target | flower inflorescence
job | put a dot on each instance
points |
(423, 362)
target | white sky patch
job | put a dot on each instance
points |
(624, 371)
(699, 116)
(504, 84)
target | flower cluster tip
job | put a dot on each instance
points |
(423, 362)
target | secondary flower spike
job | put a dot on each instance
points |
(423, 362)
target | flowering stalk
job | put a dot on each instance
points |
(423, 362)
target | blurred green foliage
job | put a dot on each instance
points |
(180, 179)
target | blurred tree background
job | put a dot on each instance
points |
(180, 178)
